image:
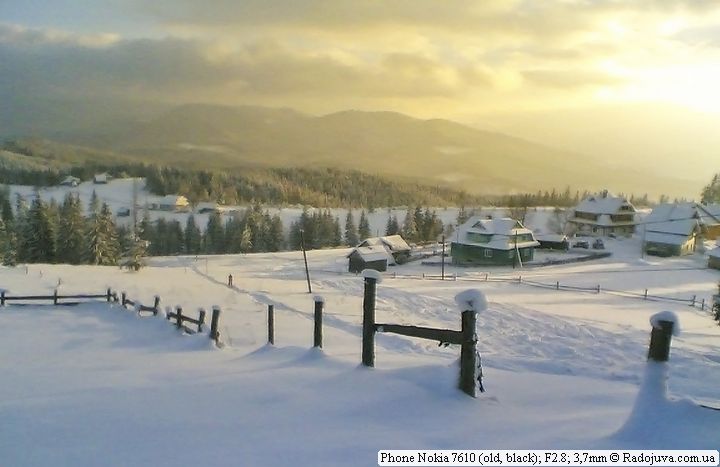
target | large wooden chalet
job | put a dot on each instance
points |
(499, 242)
(604, 214)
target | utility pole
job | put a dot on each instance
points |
(307, 271)
(442, 275)
(134, 205)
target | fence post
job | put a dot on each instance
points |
(368, 342)
(702, 306)
(123, 298)
(663, 325)
(109, 295)
(520, 279)
(645, 294)
(693, 300)
(486, 277)
(178, 316)
(468, 357)
(156, 305)
(55, 297)
(317, 333)
(214, 323)
(201, 319)
(557, 285)
(271, 324)
(598, 288)
(2, 298)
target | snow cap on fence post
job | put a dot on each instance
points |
(372, 274)
(471, 300)
(666, 316)
(318, 299)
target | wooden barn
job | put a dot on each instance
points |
(671, 229)
(394, 244)
(553, 242)
(368, 257)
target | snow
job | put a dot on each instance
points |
(668, 316)
(372, 274)
(471, 299)
(96, 385)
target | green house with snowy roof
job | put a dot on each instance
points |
(493, 242)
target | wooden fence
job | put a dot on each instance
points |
(317, 322)
(112, 297)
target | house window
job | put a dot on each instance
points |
(478, 237)
(488, 253)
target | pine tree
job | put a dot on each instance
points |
(175, 238)
(276, 240)
(193, 237)
(246, 240)
(410, 230)
(215, 234)
(21, 229)
(40, 231)
(337, 232)
(7, 245)
(94, 203)
(134, 255)
(363, 227)
(392, 227)
(351, 234)
(71, 231)
(102, 239)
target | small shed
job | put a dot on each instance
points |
(714, 258)
(101, 179)
(368, 257)
(177, 203)
(553, 241)
(394, 244)
(70, 181)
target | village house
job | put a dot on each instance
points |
(714, 258)
(553, 241)
(101, 179)
(394, 244)
(709, 219)
(500, 242)
(671, 229)
(70, 181)
(175, 203)
(374, 257)
(604, 214)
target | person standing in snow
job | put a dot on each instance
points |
(230, 280)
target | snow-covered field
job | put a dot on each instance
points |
(95, 385)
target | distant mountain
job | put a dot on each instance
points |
(437, 152)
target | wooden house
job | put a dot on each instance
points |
(604, 214)
(70, 181)
(500, 242)
(714, 258)
(174, 203)
(671, 229)
(101, 179)
(394, 244)
(709, 219)
(553, 241)
(368, 257)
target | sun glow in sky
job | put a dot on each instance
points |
(486, 62)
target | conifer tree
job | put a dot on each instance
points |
(276, 236)
(71, 231)
(102, 240)
(246, 240)
(135, 253)
(215, 234)
(392, 227)
(7, 245)
(363, 227)
(40, 240)
(351, 234)
(410, 230)
(193, 236)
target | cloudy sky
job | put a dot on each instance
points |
(430, 58)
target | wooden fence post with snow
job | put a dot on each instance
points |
(271, 324)
(109, 295)
(201, 319)
(470, 302)
(156, 305)
(123, 298)
(55, 297)
(368, 336)
(214, 324)
(317, 331)
(664, 326)
(178, 316)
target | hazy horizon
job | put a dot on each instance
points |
(618, 80)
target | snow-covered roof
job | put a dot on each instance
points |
(371, 253)
(715, 253)
(503, 233)
(173, 200)
(709, 214)
(671, 211)
(604, 203)
(558, 238)
(70, 178)
(103, 177)
(394, 243)
(665, 238)
(679, 227)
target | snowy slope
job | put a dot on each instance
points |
(90, 386)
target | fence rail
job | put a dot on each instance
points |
(701, 304)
